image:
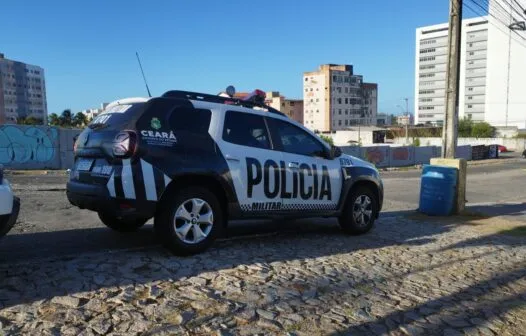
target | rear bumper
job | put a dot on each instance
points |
(97, 198)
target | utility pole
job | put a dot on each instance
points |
(407, 121)
(450, 128)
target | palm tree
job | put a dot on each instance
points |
(53, 120)
(66, 118)
(80, 120)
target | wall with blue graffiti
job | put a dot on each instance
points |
(33, 147)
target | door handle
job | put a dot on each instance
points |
(293, 165)
(231, 158)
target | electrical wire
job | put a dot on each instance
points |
(496, 26)
(502, 10)
(495, 17)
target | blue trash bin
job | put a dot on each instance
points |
(438, 190)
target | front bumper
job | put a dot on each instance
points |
(97, 198)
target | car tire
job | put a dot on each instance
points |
(189, 221)
(8, 221)
(121, 224)
(359, 213)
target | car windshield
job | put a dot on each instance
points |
(116, 115)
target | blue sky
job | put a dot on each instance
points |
(87, 48)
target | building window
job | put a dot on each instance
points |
(470, 106)
(346, 101)
(339, 100)
(470, 89)
(340, 111)
(470, 97)
(339, 122)
(346, 122)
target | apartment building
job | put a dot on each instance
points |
(93, 112)
(492, 70)
(22, 91)
(335, 98)
(293, 108)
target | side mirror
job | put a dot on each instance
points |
(335, 152)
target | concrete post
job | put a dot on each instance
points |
(462, 166)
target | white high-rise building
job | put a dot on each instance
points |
(335, 98)
(492, 69)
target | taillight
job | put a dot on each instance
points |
(125, 144)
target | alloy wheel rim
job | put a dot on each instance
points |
(362, 210)
(193, 221)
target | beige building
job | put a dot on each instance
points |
(335, 98)
(92, 113)
(293, 108)
(22, 91)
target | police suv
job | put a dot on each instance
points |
(193, 161)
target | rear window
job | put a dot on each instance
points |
(117, 115)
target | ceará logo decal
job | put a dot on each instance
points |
(158, 138)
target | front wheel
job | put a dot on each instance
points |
(189, 221)
(121, 225)
(360, 211)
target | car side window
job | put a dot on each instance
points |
(292, 139)
(192, 120)
(246, 129)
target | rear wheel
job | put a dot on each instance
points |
(189, 221)
(121, 224)
(360, 211)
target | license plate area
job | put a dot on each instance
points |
(102, 169)
(84, 164)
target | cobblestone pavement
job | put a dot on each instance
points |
(406, 277)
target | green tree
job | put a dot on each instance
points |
(29, 121)
(80, 120)
(327, 139)
(482, 130)
(465, 126)
(53, 120)
(66, 119)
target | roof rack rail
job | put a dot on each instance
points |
(218, 99)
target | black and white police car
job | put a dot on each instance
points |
(193, 161)
(9, 205)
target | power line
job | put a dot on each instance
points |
(504, 10)
(496, 26)
(500, 11)
(499, 19)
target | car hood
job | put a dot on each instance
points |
(357, 162)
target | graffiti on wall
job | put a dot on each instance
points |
(377, 155)
(27, 144)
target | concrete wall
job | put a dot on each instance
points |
(401, 156)
(36, 147)
(517, 145)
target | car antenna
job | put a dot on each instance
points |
(147, 89)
